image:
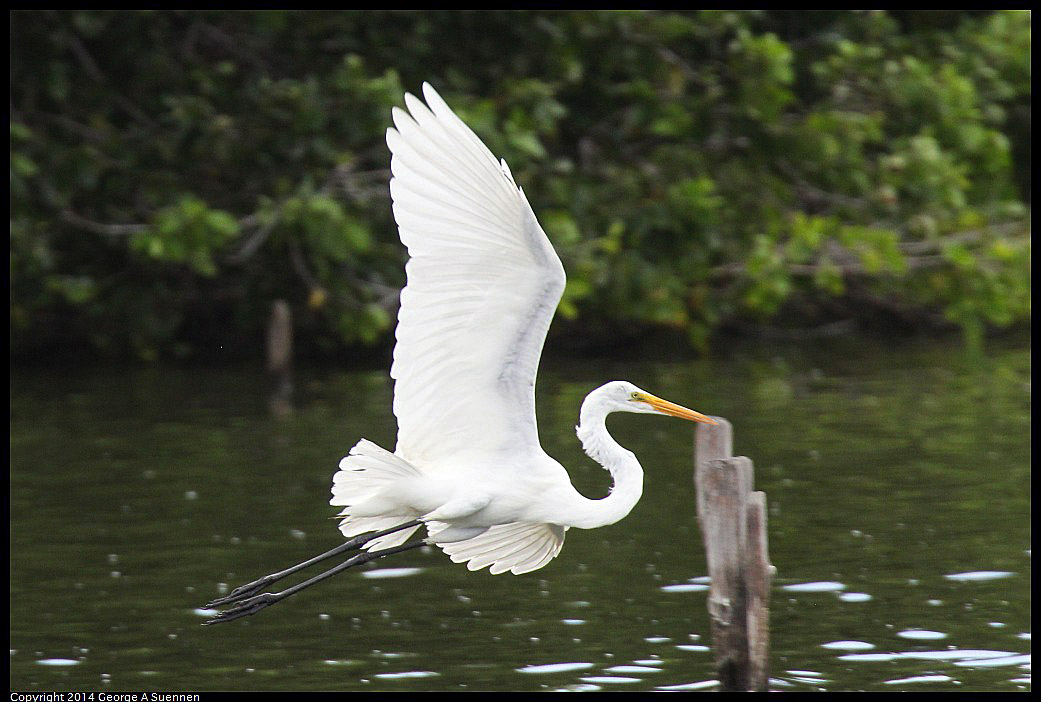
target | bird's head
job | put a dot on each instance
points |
(623, 396)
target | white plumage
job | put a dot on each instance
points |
(483, 282)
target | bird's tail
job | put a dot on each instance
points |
(364, 472)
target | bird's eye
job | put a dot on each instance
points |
(634, 395)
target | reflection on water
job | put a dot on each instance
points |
(897, 482)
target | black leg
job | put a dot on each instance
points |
(249, 589)
(253, 605)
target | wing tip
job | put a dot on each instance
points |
(506, 171)
(429, 92)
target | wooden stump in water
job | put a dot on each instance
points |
(280, 357)
(733, 526)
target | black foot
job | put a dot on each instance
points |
(244, 608)
(242, 592)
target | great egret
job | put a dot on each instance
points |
(483, 282)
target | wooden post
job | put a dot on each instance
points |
(733, 526)
(280, 357)
(758, 576)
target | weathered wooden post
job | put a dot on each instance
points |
(733, 527)
(280, 357)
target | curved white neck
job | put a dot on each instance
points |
(618, 461)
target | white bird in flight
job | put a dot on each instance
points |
(483, 282)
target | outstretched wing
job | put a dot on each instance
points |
(483, 283)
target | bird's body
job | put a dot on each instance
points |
(504, 508)
(483, 282)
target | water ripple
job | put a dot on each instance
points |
(975, 575)
(554, 668)
(407, 674)
(921, 634)
(848, 645)
(390, 572)
(919, 679)
(822, 586)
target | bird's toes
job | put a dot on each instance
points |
(244, 608)
(239, 593)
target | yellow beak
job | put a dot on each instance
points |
(674, 410)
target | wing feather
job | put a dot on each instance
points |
(519, 547)
(483, 284)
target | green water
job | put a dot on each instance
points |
(888, 467)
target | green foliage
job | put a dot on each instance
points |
(187, 232)
(173, 172)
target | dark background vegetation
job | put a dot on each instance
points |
(175, 172)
